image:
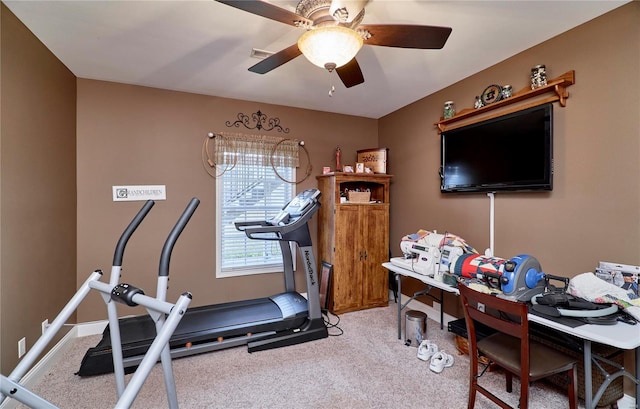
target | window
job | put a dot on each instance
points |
(249, 190)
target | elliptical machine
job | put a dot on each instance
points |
(165, 315)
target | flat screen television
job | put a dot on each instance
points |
(513, 152)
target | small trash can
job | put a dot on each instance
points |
(415, 328)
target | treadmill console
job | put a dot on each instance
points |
(296, 207)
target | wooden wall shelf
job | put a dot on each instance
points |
(557, 88)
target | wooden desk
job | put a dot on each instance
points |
(620, 335)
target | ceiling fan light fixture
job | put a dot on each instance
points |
(330, 45)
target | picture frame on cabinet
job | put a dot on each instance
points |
(359, 167)
(375, 159)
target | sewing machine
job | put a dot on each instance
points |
(419, 258)
(428, 257)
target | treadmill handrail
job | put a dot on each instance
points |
(276, 229)
(165, 256)
(242, 226)
(131, 228)
(251, 228)
(258, 234)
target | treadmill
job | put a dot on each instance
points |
(280, 320)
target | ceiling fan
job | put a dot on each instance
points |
(334, 34)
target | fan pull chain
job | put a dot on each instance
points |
(332, 89)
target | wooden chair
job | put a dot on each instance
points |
(510, 348)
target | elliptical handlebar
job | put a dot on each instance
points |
(131, 228)
(165, 256)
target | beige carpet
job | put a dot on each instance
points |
(366, 367)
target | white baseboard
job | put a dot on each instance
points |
(51, 358)
(42, 366)
(431, 312)
(91, 328)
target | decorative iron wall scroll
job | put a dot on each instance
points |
(259, 121)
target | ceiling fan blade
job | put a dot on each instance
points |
(268, 10)
(350, 74)
(276, 60)
(407, 36)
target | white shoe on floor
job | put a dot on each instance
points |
(440, 360)
(426, 350)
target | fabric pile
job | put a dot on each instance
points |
(592, 288)
(434, 239)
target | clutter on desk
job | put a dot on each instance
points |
(449, 258)
(591, 288)
(431, 253)
(622, 275)
(566, 305)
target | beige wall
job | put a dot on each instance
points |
(130, 135)
(37, 187)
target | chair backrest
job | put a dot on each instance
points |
(509, 317)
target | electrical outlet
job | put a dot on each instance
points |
(45, 325)
(22, 347)
(480, 307)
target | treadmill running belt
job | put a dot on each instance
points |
(199, 325)
(229, 319)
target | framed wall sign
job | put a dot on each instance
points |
(374, 159)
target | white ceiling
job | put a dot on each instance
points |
(204, 47)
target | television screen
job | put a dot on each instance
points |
(513, 152)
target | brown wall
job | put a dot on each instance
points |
(130, 135)
(593, 212)
(37, 187)
(135, 135)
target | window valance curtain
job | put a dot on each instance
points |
(264, 150)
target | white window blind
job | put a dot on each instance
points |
(249, 191)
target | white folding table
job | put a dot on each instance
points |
(620, 335)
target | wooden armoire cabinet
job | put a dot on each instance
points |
(354, 237)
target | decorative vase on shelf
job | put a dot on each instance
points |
(478, 103)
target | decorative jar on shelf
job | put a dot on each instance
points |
(449, 110)
(507, 92)
(478, 103)
(538, 76)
